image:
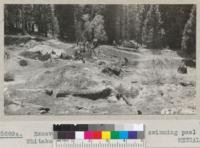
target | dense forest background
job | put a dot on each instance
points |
(155, 26)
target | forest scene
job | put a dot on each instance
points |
(99, 59)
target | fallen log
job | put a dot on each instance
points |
(93, 95)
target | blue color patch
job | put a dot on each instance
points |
(123, 135)
(132, 135)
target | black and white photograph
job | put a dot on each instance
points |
(100, 59)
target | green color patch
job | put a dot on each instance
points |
(114, 135)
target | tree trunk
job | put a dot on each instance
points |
(23, 21)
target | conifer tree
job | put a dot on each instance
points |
(152, 31)
(98, 28)
(188, 44)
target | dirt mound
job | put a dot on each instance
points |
(64, 78)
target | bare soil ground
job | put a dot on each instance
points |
(141, 81)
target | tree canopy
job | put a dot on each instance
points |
(155, 26)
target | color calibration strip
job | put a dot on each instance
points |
(98, 131)
(98, 144)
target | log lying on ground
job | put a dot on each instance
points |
(62, 94)
(185, 84)
(127, 49)
(93, 95)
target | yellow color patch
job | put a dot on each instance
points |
(105, 135)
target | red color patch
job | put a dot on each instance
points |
(96, 135)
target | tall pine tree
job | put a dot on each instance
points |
(188, 44)
(152, 33)
(174, 18)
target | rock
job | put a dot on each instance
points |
(186, 84)
(101, 63)
(182, 69)
(165, 111)
(8, 77)
(186, 111)
(169, 111)
(23, 63)
(45, 57)
(44, 110)
(49, 92)
(189, 62)
(53, 52)
(112, 70)
(65, 56)
(139, 112)
(125, 62)
(119, 96)
(21, 45)
(78, 107)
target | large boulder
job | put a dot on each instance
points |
(182, 69)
